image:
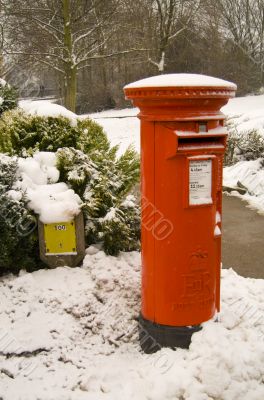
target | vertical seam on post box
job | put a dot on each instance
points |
(155, 205)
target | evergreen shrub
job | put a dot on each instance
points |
(89, 165)
(8, 97)
(112, 217)
(23, 134)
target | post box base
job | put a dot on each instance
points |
(154, 336)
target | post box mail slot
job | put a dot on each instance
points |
(183, 141)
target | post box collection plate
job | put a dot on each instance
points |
(60, 238)
(200, 182)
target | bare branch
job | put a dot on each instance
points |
(99, 56)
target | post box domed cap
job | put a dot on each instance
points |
(181, 80)
(184, 86)
(174, 97)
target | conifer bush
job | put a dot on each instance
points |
(112, 217)
(23, 134)
(8, 97)
(88, 165)
(18, 238)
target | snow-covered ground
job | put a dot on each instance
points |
(72, 334)
(121, 126)
(247, 113)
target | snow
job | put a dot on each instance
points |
(251, 175)
(217, 231)
(3, 83)
(218, 217)
(122, 113)
(181, 80)
(121, 126)
(247, 113)
(110, 216)
(45, 108)
(72, 334)
(38, 177)
(129, 202)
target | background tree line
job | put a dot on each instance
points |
(84, 51)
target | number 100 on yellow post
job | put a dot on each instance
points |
(60, 238)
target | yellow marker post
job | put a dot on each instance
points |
(62, 243)
(60, 238)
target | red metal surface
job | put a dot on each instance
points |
(181, 255)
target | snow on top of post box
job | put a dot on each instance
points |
(181, 80)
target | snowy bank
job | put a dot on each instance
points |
(250, 175)
(121, 126)
(247, 113)
(72, 334)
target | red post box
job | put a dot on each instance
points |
(183, 141)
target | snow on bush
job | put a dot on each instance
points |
(248, 145)
(63, 168)
(51, 201)
(72, 334)
(44, 108)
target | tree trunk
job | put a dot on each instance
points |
(70, 93)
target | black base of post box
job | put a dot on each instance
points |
(154, 336)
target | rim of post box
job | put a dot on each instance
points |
(178, 103)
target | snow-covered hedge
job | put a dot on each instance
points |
(54, 159)
(23, 134)
(8, 96)
(243, 146)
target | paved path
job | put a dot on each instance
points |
(243, 238)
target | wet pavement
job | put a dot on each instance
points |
(243, 238)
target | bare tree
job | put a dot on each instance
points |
(172, 18)
(243, 23)
(65, 35)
